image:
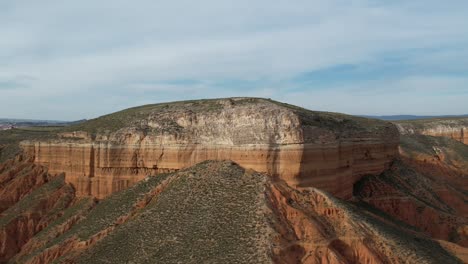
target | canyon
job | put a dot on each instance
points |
(241, 180)
(224, 212)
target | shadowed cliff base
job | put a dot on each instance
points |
(419, 199)
(426, 188)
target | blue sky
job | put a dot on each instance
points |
(81, 59)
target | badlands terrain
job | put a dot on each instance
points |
(235, 180)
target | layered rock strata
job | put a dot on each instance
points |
(420, 199)
(218, 212)
(454, 128)
(304, 148)
(427, 185)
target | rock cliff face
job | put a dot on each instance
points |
(218, 212)
(304, 148)
(454, 128)
(427, 186)
(410, 207)
(315, 227)
(19, 177)
(30, 199)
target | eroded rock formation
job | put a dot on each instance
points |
(427, 186)
(30, 200)
(314, 227)
(454, 128)
(219, 212)
(19, 177)
(304, 148)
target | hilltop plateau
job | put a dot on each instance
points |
(300, 146)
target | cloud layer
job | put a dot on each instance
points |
(81, 59)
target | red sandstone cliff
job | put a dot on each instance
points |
(30, 200)
(19, 177)
(454, 128)
(325, 150)
(218, 211)
(426, 188)
(315, 227)
(404, 210)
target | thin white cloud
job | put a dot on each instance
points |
(79, 51)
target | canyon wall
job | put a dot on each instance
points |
(325, 150)
(219, 212)
(455, 128)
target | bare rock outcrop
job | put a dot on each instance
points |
(454, 128)
(305, 148)
(315, 227)
(427, 186)
(219, 212)
(31, 200)
(18, 178)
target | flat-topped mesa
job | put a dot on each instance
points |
(326, 150)
(454, 128)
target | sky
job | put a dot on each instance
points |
(69, 60)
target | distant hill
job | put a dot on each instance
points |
(410, 117)
(34, 122)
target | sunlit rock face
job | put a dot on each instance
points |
(454, 128)
(305, 148)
